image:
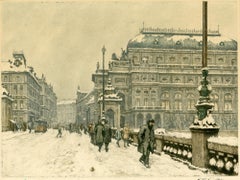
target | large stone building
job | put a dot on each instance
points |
(22, 84)
(27, 90)
(159, 73)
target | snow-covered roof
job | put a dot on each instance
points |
(8, 67)
(181, 41)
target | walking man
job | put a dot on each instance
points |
(146, 142)
(59, 132)
(107, 135)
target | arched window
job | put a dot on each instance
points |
(110, 117)
(228, 102)
(190, 101)
(149, 116)
(157, 119)
(178, 101)
(215, 100)
(165, 101)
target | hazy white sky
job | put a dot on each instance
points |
(63, 39)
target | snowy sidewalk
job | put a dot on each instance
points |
(44, 155)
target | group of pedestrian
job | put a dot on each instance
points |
(122, 134)
(103, 134)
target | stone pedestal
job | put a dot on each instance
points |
(199, 144)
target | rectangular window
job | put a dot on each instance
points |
(137, 102)
(145, 101)
(153, 102)
(21, 104)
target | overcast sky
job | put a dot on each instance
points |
(63, 40)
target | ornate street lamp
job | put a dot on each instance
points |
(103, 100)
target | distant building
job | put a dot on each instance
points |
(159, 73)
(48, 101)
(66, 112)
(6, 107)
(85, 106)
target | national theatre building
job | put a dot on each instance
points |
(159, 73)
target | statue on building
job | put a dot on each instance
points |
(124, 55)
(114, 57)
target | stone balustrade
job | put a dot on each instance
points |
(222, 157)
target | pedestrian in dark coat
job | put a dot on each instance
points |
(146, 142)
(91, 131)
(107, 135)
(99, 134)
(59, 132)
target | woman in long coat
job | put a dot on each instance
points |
(99, 134)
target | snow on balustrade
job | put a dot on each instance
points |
(179, 135)
(230, 141)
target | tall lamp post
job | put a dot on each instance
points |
(204, 125)
(103, 85)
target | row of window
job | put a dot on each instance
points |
(13, 79)
(178, 104)
(181, 79)
(178, 96)
(183, 60)
(21, 104)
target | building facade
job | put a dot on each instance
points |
(22, 84)
(48, 100)
(6, 107)
(27, 91)
(159, 73)
(66, 112)
(85, 108)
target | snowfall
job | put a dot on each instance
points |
(43, 155)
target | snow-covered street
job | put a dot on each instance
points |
(44, 155)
